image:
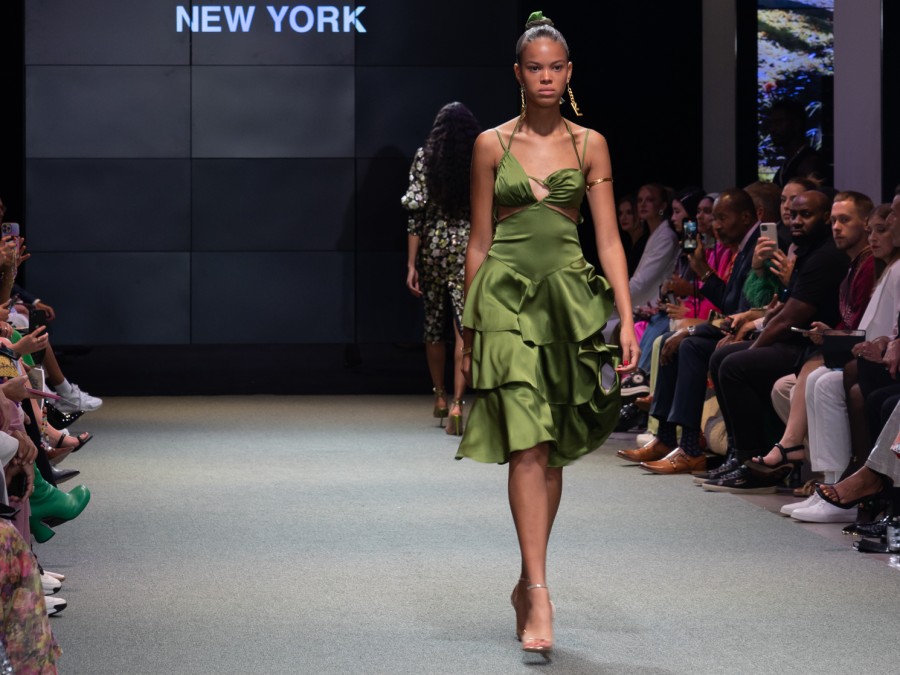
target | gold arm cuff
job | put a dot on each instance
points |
(598, 181)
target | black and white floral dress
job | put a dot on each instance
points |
(442, 253)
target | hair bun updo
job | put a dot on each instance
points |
(537, 19)
(539, 26)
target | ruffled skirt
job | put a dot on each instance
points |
(540, 367)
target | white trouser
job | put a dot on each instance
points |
(829, 425)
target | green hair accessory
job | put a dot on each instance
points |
(537, 16)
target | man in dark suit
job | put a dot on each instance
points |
(681, 380)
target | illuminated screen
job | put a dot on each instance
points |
(795, 60)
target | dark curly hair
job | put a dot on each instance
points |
(448, 158)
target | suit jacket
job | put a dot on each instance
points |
(729, 297)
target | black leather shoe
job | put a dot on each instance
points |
(62, 475)
(875, 529)
(744, 481)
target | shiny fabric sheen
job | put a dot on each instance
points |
(540, 367)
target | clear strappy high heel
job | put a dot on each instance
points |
(455, 422)
(440, 411)
(539, 645)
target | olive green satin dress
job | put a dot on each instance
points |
(540, 368)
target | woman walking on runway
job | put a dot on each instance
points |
(546, 383)
(438, 204)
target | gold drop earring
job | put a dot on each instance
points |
(522, 96)
(574, 105)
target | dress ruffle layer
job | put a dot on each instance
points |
(541, 369)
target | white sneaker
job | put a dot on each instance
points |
(50, 584)
(643, 439)
(54, 605)
(55, 575)
(823, 512)
(77, 400)
(788, 509)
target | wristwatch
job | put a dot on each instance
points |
(691, 329)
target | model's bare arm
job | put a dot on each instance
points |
(609, 245)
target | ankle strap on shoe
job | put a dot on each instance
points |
(531, 586)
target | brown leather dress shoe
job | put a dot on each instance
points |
(652, 451)
(677, 461)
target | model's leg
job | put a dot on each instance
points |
(459, 387)
(519, 597)
(531, 505)
(436, 353)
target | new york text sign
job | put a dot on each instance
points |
(297, 18)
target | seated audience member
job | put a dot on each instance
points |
(658, 259)
(849, 227)
(744, 372)
(684, 207)
(681, 380)
(879, 477)
(773, 260)
(24, 626)
(73, 399)
(634, 232)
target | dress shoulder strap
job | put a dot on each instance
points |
(575, 145)
(584, 149)
(500, 138)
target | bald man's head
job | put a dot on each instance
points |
(810, 215)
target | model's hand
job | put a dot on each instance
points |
(465, 367)
(412, 281)
(631, 352)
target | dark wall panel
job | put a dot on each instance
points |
(273, 204)
(261, 45)
(289, 111)
(490, 93)
(382, 181)
(401, 33)
(272, 298)
(107, 111)
(108, 205)
(386, 311)
(115, 298)
(104, 32)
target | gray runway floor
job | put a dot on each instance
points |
(338, 535)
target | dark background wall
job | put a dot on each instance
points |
(183, 193)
